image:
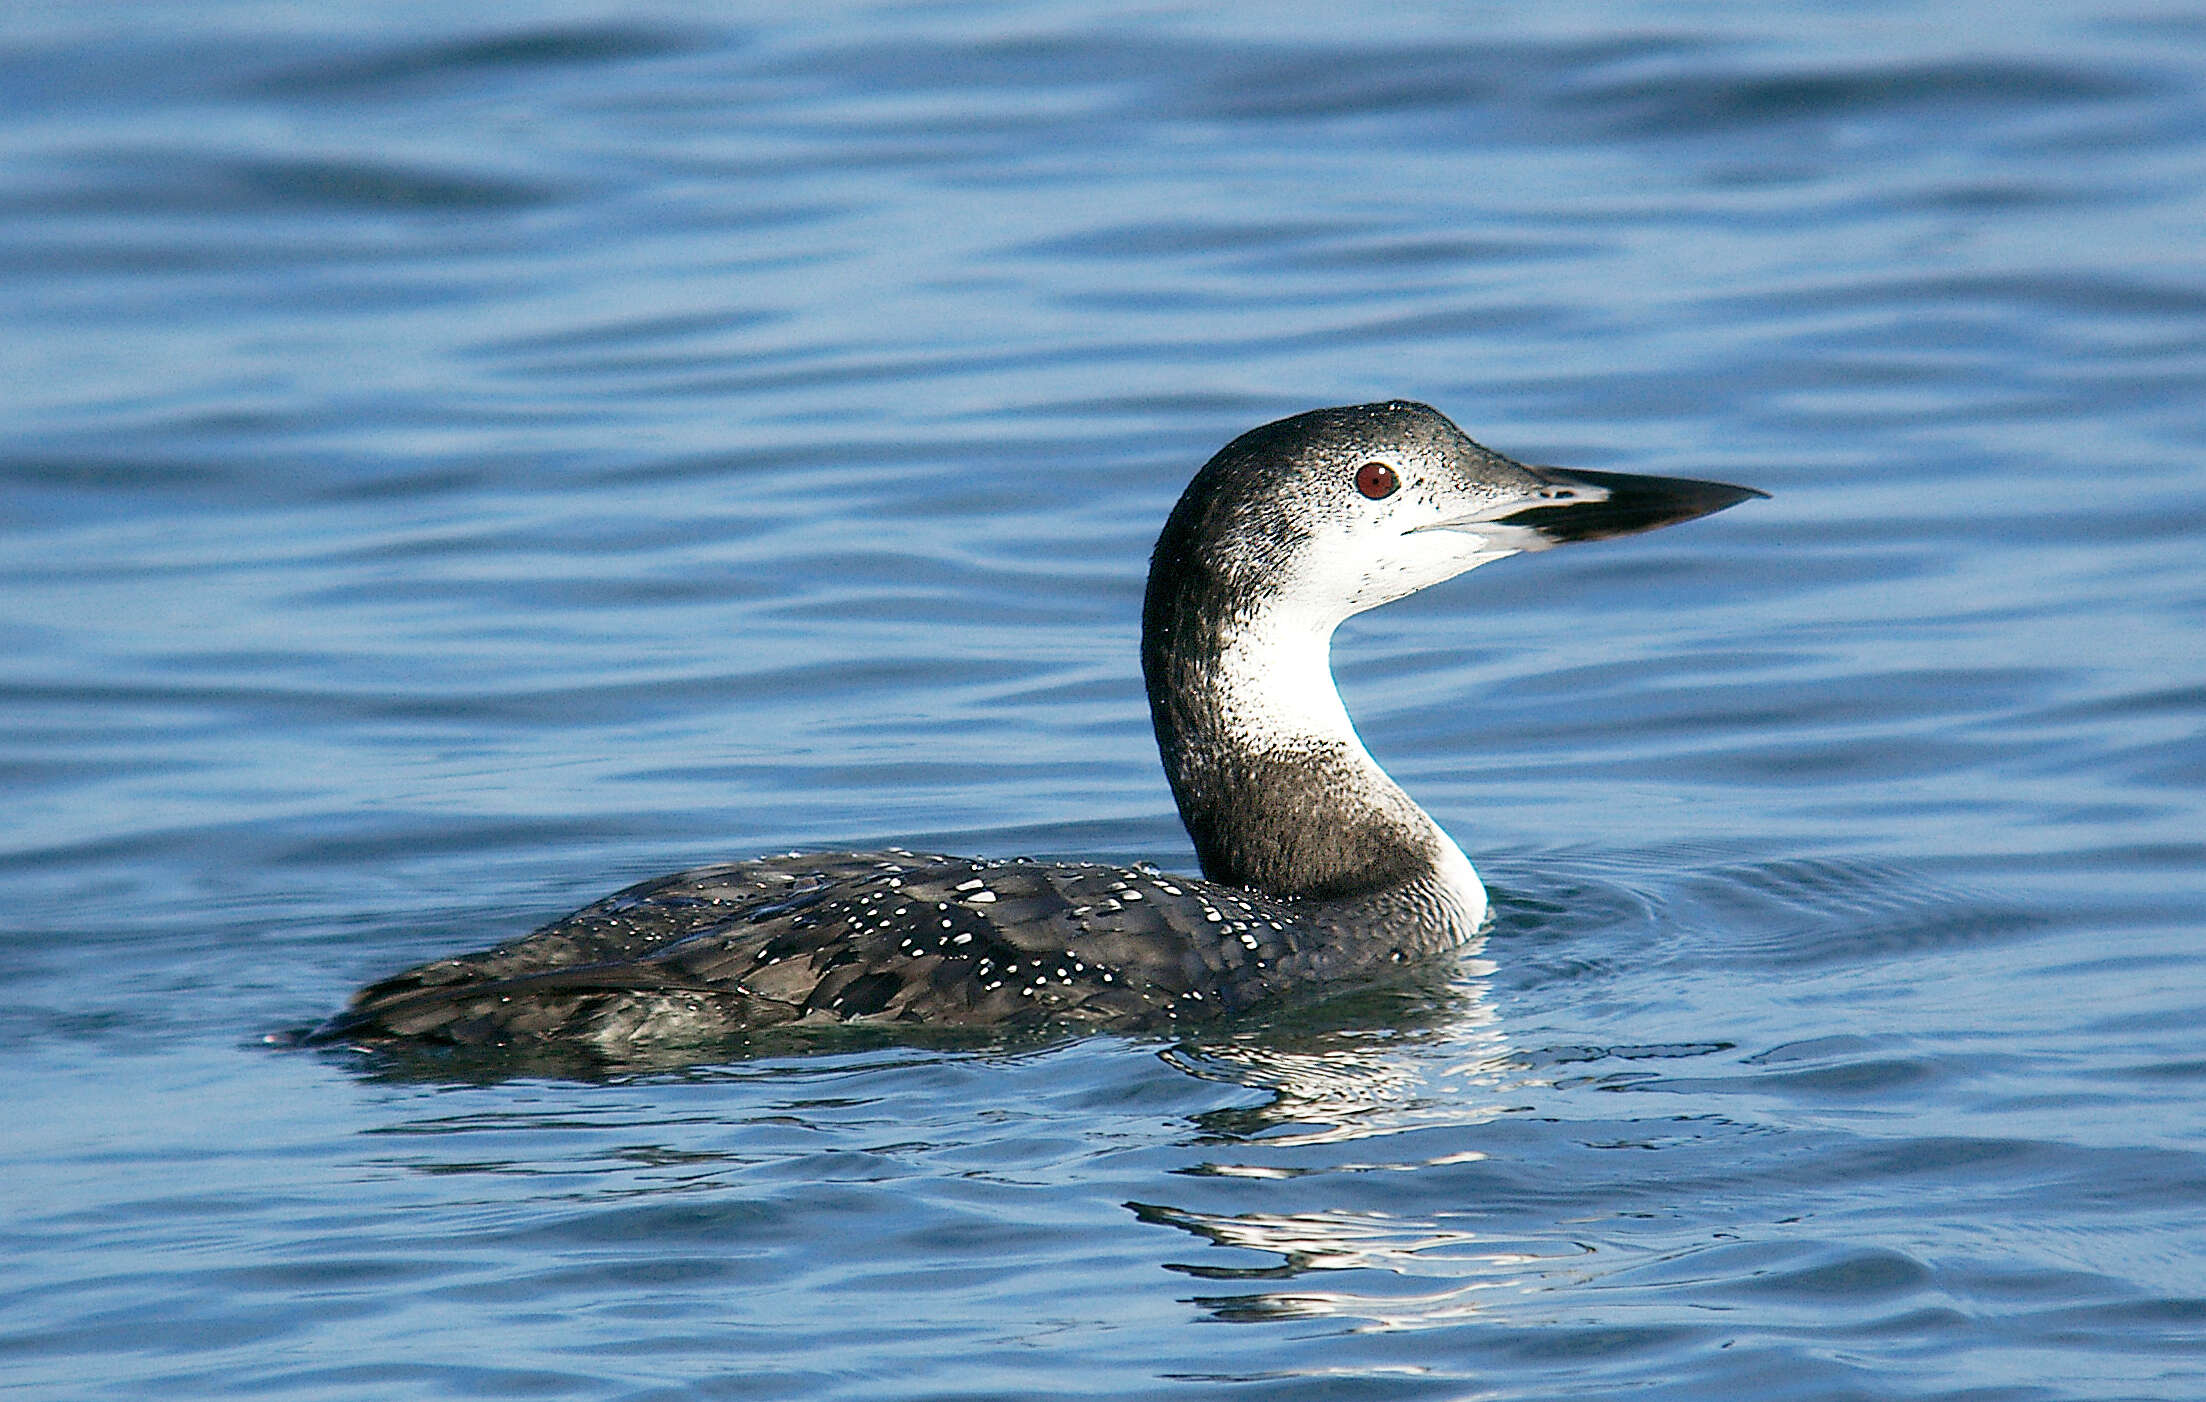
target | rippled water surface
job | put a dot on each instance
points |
(459, 460)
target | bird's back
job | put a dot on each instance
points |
(884, 937)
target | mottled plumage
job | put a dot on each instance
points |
(887, 937)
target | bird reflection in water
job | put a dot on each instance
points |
(1382, 1097)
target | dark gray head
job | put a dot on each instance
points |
(1335, 511)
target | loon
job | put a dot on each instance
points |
(1319, 872)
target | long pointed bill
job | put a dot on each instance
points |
(1604, 504)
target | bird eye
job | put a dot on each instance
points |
(1376, 480)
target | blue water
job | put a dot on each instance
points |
(460, 460)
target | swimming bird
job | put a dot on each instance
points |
(1319, 872)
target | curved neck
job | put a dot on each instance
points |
(1272, 781)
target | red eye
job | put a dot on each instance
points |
(1376, 480)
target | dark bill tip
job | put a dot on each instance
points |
(1634, 503)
